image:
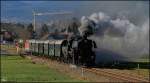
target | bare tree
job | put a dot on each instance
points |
(30, 28)
(73, 26)
(31, 31)
(44, 30)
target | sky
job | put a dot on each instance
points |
(21, 11)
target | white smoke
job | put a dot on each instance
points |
(85, 22)
(97, 17)
(119, 35)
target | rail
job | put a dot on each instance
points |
(119, 76)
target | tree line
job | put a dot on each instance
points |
(26, 31)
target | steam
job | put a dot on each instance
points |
(85, 23)
(119, 34)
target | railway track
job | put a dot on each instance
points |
(129, 74)
(118, 76)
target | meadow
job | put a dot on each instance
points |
(18, 69)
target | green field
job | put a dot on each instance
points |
(17, 69)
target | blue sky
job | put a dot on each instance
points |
(22, 10)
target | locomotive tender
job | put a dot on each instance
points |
(76, 50)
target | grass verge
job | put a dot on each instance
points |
(17, 69)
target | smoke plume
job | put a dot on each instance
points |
(119, 34)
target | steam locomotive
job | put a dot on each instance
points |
(77, 50)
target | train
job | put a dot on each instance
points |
(76, 50)
(80, 51)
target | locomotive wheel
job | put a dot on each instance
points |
(64, 51)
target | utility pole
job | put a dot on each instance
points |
(34, 20)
